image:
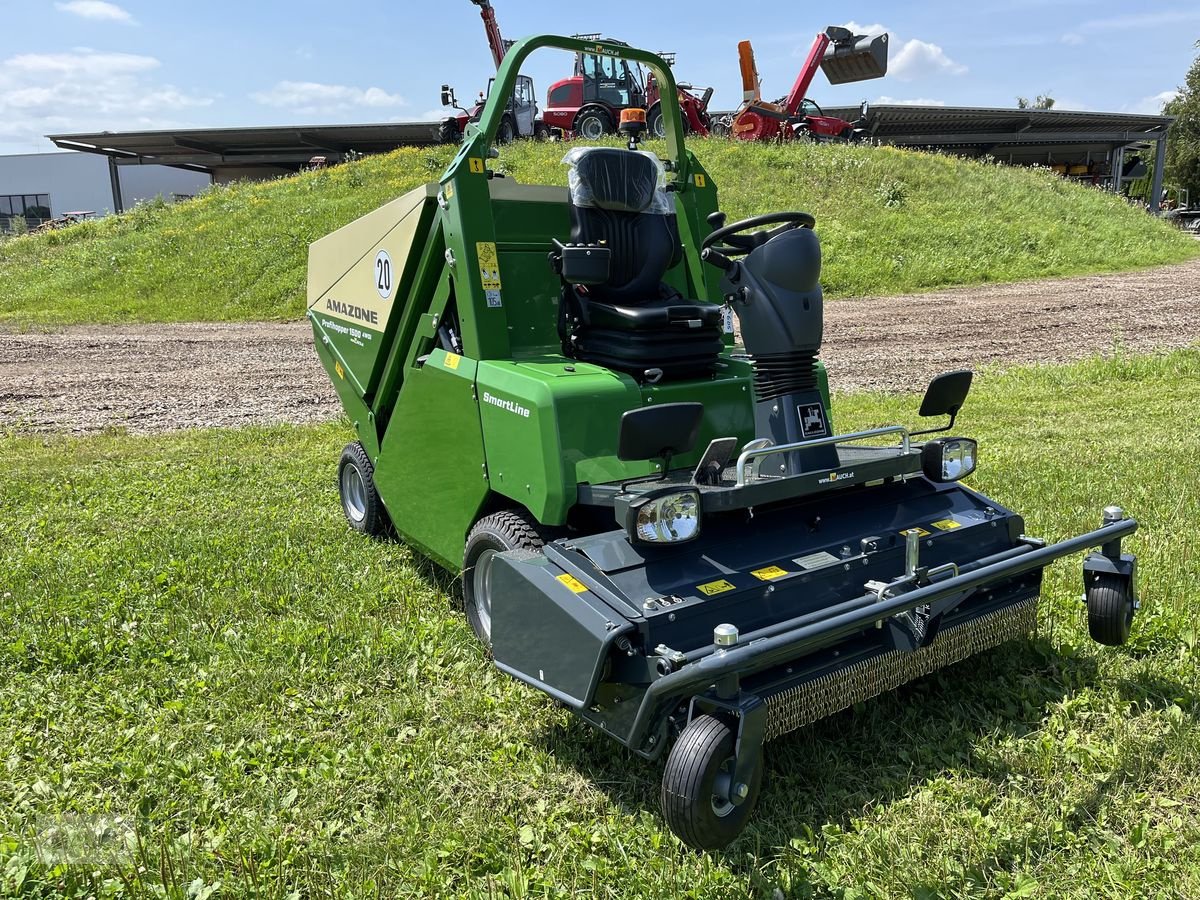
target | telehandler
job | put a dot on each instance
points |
(662, 531)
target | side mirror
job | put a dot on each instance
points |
(863, 110)
(448, 96)
(945, 396)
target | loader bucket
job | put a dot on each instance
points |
(854, 57)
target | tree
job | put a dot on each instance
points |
(1183, 140)
(1042, 101)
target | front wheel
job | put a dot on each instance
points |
(506, 133)
(593, 123)
(696, 788)
(497, 533)
(656, 125)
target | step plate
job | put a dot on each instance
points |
(827, 694)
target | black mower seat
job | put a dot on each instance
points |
(633, 322)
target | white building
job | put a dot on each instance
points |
(42, 186)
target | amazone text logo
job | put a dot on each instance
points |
(354, 312)
(510, 405)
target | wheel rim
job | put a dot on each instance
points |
(591, 128)
(660, 126)
(354, 493)
(481, 592)
(722, 788)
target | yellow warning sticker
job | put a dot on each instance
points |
(714, 587)
(769, 573)
(573, 583)
(489, 265)
(700, 180)
(452, 360)
(947, 525)
(337, 367)
(476, 164)
(918, 529)
(448, 193)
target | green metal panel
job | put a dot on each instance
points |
(430, 472)
(549, 426)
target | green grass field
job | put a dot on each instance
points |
(892, 222)
(206, 679)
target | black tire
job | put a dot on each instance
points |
(361, 504)
(507, 132)
(509, 530)
(541, 131)
(592, 123)
(704, 752)
(1110, 610)
(448, 132)
(656, 125)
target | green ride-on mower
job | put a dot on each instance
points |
(660, 530)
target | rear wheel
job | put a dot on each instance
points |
(361, 503)
(655, 123)
(696, 786)
(593, 123)
(497, 533)
(1110, 608)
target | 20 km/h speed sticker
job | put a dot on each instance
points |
(383, 274)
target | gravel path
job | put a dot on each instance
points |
(149, 378)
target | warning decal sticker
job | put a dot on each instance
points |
(769, 573)
(812, 420)
(573, 583)
(947, 525)
(714, 587)
(489, 271)
(917, 528)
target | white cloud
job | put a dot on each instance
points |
(313, 97)
(916, 101)
(97, 10)
(1152, 106)
(918, 59)
(1072, 39)
(914, 58)
(85, 90)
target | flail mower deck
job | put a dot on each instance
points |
(662, 532)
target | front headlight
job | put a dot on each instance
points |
(949, 459)
(665, 519)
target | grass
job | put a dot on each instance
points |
(212, 688)
(892, 221)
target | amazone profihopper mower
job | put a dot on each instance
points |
(659, 530)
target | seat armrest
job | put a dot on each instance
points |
(581, 263)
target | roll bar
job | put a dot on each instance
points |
(480, 136)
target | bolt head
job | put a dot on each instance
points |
(741, 791)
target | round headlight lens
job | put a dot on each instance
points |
(669, 519)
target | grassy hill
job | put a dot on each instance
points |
(892, 221)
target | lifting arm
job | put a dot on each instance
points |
(751, 86)
(807, 72)
(495, 41)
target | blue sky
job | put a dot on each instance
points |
(92, 65)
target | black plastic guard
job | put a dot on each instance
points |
(548, 630)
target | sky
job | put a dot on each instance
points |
(95, 65)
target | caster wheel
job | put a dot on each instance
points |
(360, 500)
(1110, 608)
(695, 789)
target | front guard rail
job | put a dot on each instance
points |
(759, 452)
(841, 621)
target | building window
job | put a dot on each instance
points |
(33, 208)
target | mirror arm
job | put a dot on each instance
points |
(946, 427)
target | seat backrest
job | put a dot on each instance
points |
(617, 198)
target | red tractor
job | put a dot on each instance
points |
(521, 120)
(589, 103)
(842, 55)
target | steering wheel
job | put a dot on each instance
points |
(727, 241)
